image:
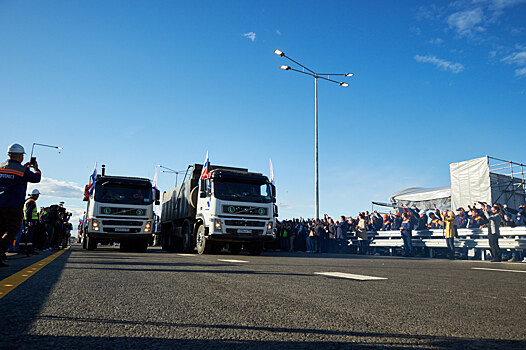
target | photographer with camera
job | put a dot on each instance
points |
(13, 186)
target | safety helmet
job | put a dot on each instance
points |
(15, 148)
(35, 192)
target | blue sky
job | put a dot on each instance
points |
(133, 84)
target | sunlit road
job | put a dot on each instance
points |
(106, 299)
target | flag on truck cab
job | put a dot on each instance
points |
(154, 185)
(93, 177)
(206, 168)
(271, 173)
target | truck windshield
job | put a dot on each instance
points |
(113, 193)
(242, 191)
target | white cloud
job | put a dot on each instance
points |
(467, 22)
(436, 41)
(278, 32)
(250, 35)
(440, 63)
(521, 72)
(49, 187)
(518, 58)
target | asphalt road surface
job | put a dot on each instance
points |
(107, 299)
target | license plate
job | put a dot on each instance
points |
(118, 229)
(241, 230)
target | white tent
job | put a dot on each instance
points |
(423, 198)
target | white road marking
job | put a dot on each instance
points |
(232, 261)
(187, 254)
(483, 268)
(350, 276)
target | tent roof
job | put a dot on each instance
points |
(419, 194)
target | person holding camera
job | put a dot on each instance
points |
(13, 186)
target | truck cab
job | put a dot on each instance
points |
(119, 209)
(235, 207)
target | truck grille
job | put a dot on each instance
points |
(121, 223)
(122, 211)
(238, 209)
(244, 223)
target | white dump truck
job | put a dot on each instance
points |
(120, 210)
(230, 208)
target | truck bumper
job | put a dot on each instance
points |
(239, 238)
(119, 236)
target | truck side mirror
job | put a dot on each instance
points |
(275, 211)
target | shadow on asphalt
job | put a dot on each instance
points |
(375, 340)
(231, 272)
(19, 308)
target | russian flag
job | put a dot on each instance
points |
(206, 168)
(93, 177)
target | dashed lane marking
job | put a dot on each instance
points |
(350, 276)
(484, 268)
(232, 261)
(181, 254)
(13, 281)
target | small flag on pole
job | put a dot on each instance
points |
(93, 177)
(206, 168)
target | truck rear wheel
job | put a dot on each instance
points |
(140, 246)
(201, 242)
(186, 239)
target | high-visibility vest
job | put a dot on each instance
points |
(34, 214)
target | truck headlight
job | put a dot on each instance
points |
(270, 226)
(148, 226)
(217, 224)
(95, 225)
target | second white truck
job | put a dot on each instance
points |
(232, 207)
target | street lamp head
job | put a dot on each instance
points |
(344, 84)
(285, 67)
(59, 147)
(278, 52)
(349, 74)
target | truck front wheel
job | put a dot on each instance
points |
(234, 248)
(200, 241)
(91, 243)
(255, 248)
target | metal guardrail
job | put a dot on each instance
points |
(510, 238)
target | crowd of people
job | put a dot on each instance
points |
(47, 230)
(328, 235)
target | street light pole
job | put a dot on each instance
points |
(41, 144)
(170, 171)
(316, 173)
(316, 76)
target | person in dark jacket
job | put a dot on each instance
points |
(320, 234)
(13, 186)
(387, 223)
(520, 217)
(341, 232)
(461, 220)
(407, 235)
(396, 222)
(422, 220)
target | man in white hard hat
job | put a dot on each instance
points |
(30, 221)
(13, 186)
